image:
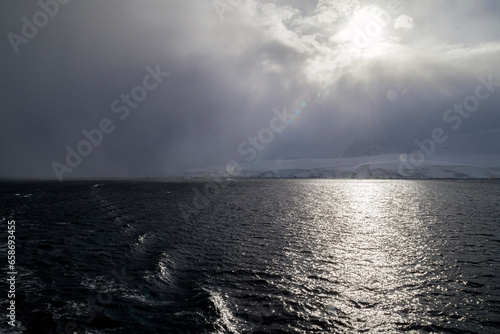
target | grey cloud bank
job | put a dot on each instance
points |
(95, 137)
(87, 58)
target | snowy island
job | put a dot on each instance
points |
(385, 166)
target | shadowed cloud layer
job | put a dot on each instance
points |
(355, 71)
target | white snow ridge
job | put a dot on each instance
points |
(385, 166)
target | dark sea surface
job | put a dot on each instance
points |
(262, 256)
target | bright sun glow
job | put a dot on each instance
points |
(367, 31)
(367, 34)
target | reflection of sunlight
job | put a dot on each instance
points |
(368, 244)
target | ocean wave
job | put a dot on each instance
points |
(226, 321)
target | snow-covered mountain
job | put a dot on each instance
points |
(460, 156)
(385, 166)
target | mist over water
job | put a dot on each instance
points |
(264, 256)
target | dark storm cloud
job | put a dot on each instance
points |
(227, 76)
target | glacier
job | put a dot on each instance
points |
(384, 166)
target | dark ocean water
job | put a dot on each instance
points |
(266, 256)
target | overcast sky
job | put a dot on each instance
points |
(349, 71)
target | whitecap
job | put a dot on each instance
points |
(226, 321)
(163, 266)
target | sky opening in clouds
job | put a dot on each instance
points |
(380, 73)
